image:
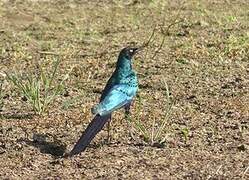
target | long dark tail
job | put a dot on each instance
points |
(92, 129)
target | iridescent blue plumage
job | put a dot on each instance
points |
(119, 91)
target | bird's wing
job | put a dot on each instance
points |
(110, 83)
(117, 97)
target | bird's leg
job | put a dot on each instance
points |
(109, 130)
(127, 117)
(127, 108)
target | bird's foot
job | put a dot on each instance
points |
(107, 140)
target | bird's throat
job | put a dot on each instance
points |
(124, 65)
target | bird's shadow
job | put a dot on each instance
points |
(54, 148)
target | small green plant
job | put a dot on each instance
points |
(185, 133)
(153, 135)
(231, 18)
(40, 89)
(239, 43)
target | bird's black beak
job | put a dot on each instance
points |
(138, 49)
(135, 50)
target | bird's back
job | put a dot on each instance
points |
(110, 83)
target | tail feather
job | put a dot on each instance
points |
(92, 129)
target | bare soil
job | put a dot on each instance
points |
(204, 59)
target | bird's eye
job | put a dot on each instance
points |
(131, 50)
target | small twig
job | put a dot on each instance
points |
(175, 22)
(245, 172)
(164, 37)
(216, 173)
(153, 130)
(50, 53)
(80, 54)
(166, 32)
(149, 40)
(98, 54)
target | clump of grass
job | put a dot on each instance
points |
(239, 43)
(153, 134)
(40, 90)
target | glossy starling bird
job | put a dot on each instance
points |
(118, 93)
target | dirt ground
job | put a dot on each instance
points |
(203, 57)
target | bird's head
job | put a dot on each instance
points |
(128, 52)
